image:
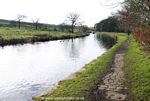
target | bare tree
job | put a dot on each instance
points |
(136, 14)
(73, 19)
(20, 18)
(36, 23)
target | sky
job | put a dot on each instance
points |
(55, 11)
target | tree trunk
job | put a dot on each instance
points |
(19, 23)
(36, 26)
(72, 28)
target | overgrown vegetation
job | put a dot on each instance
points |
(85, 81)
(136, 15)
(137, 70)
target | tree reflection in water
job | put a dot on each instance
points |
(73, 46)
(106, 40)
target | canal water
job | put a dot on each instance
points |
(28, 70)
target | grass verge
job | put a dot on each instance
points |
(137, 70)
(85, 82)
(12, 36)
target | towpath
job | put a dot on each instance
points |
(112, 86)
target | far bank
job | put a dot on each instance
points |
(13, 36)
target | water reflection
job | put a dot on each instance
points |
(73, 46)
(27, 70)
(106, 40)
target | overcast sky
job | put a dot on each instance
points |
(55, 11)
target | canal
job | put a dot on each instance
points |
(28, 70)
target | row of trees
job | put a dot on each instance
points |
(136, 15)
(22, 17)
(73, 20)
(108, 25)
(111, 24)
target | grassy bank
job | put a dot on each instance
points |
(85, 81)
(137, 68)
(10, 36)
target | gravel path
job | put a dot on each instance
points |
(112, 86)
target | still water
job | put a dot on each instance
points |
(28, 70)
